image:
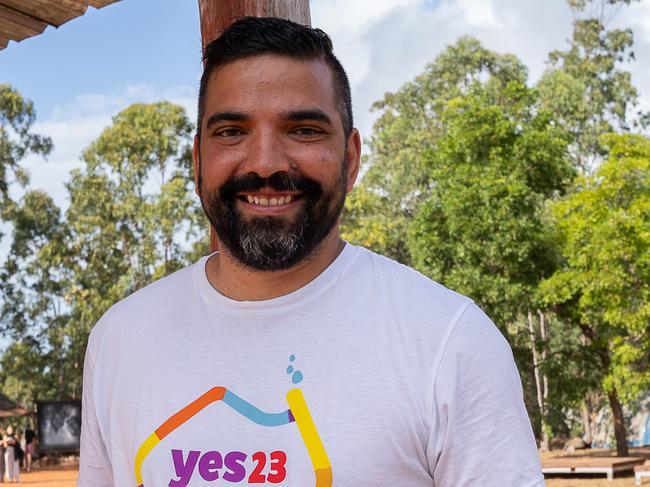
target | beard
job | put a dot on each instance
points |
(274, 243)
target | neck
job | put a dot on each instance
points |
(241, 283)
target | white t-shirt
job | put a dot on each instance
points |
(370, 375)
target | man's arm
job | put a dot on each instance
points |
(482, 434)
(94, 464)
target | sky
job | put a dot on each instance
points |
(85, 72)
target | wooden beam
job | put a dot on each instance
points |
(101, 3)
(52, 12)
(18, 26)
(3, 42)
(217, 15)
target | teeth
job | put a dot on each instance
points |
(283, 200)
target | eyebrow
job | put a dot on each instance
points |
(311, 114)
(293, 116)
(226, 117)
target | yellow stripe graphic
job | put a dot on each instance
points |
(143, 451)
(308, 430)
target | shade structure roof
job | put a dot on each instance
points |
(9, 409)
(20, 19)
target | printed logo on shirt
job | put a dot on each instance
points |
(232, 466)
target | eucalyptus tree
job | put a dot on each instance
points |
(396, 175)
(586, 85)
(603, 226)
(133, 217)
(17, 115)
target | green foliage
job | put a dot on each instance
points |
(133, 217)
(32, 283)
(589, 94)
(397, 178)
(604, 229)
(365, 223)
(480, 231)
(17, 115)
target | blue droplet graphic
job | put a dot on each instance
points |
(296, 377)
(292, 358)
(290, 369)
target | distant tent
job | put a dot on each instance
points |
(9, 409)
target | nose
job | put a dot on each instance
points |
(266, 155)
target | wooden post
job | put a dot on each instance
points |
(216, 15)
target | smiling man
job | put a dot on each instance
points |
(290, 357)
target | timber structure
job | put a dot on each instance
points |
(20, 19)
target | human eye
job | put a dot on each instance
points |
(309, 133)
(228, 132)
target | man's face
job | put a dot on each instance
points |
(273, 165)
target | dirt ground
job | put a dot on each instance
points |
(67, 476)
(52, 477)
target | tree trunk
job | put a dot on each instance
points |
(619, 424)
(586, 421)
(544, 443)
(614, 404)
(216, 15)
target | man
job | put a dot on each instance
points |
(290, 357)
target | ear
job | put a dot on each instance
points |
(196, 163)
(353, 156)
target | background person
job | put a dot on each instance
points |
(30, 448)
(12, 464)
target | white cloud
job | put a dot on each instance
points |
(384, 44)
(478, 13)
(75, 125)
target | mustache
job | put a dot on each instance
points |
(279, 181)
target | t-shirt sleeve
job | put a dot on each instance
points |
(481, 433)
(94, 464)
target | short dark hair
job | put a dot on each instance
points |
(254, 36)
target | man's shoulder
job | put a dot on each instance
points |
(402, 279)
(163, 294)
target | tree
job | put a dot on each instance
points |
(397, 178)
(585, 87)
(604, 229)
(17, 115)
(480, 231)
(33, 312)
(133, 217)
(591, 94)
